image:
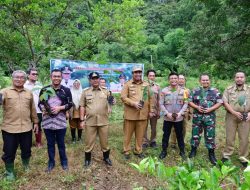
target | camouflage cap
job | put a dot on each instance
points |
(94, 75)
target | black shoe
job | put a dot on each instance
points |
(50, 168)
(244, 164)
(87, 159)
(182, 154)
(163, 154)
(141, 155)
(106, 158)
(126, 156)
(153, 145)
(65, 167)
(211, 156)
(224, 160)
(193, 152)
(144, 146)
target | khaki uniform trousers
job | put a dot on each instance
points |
(173, 138)
(153, 124)
(134, 126)
(90, 137)
(234, 125)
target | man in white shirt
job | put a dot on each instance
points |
(66, 75)
(34, 86)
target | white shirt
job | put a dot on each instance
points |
(69, 83)
(35, 89)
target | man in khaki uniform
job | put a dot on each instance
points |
(138, 107)
(95, 107)
(155, 88)
(19, 112)
(187, 114)
(237, 103)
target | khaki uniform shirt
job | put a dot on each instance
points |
(156, 98)
(238, 99)
(19, 110)
(95, 103)
(134, 92)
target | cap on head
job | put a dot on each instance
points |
(94, 75)
(66, 69)
(137, 68)
(122, 76)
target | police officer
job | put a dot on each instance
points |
(237, 103)
(187, 114)
(138, 107)
(173, 104)
(205, 100)
(94, 106)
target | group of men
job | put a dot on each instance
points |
(27, 106)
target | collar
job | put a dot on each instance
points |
(209, 88)
(244, 88)
(92, 88)
(19, 90)
(137, 82)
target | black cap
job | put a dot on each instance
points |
(94, 75)
(122, 75)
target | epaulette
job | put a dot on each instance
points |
(85, 88)
(228, 88)
(103, 87)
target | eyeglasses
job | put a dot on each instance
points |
(19, 78)
(34, 74)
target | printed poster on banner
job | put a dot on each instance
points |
(115, 74)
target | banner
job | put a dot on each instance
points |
(115, 74)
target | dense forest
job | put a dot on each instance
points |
(190, 36)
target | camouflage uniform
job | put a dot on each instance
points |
(206, 121)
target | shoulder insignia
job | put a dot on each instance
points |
(228, 88)
(85, 88)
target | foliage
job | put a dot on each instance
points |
(191, 36)
(47, 93)
(187, 177)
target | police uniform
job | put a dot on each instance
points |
(135, 121)
(187, 116)
(206, 121)
(155, 88)
(232, 96)
(95, 103)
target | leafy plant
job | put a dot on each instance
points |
(187, 177)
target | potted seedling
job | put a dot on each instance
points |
(242, 102)
(44, 97)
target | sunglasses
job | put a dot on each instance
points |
(34, 74)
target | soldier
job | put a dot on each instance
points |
(173, 103)
(205, 100)
(155, 88)
(237, 103)
(187, 114)
(95, 107)
(138, 107)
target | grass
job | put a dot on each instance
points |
(99, 176)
